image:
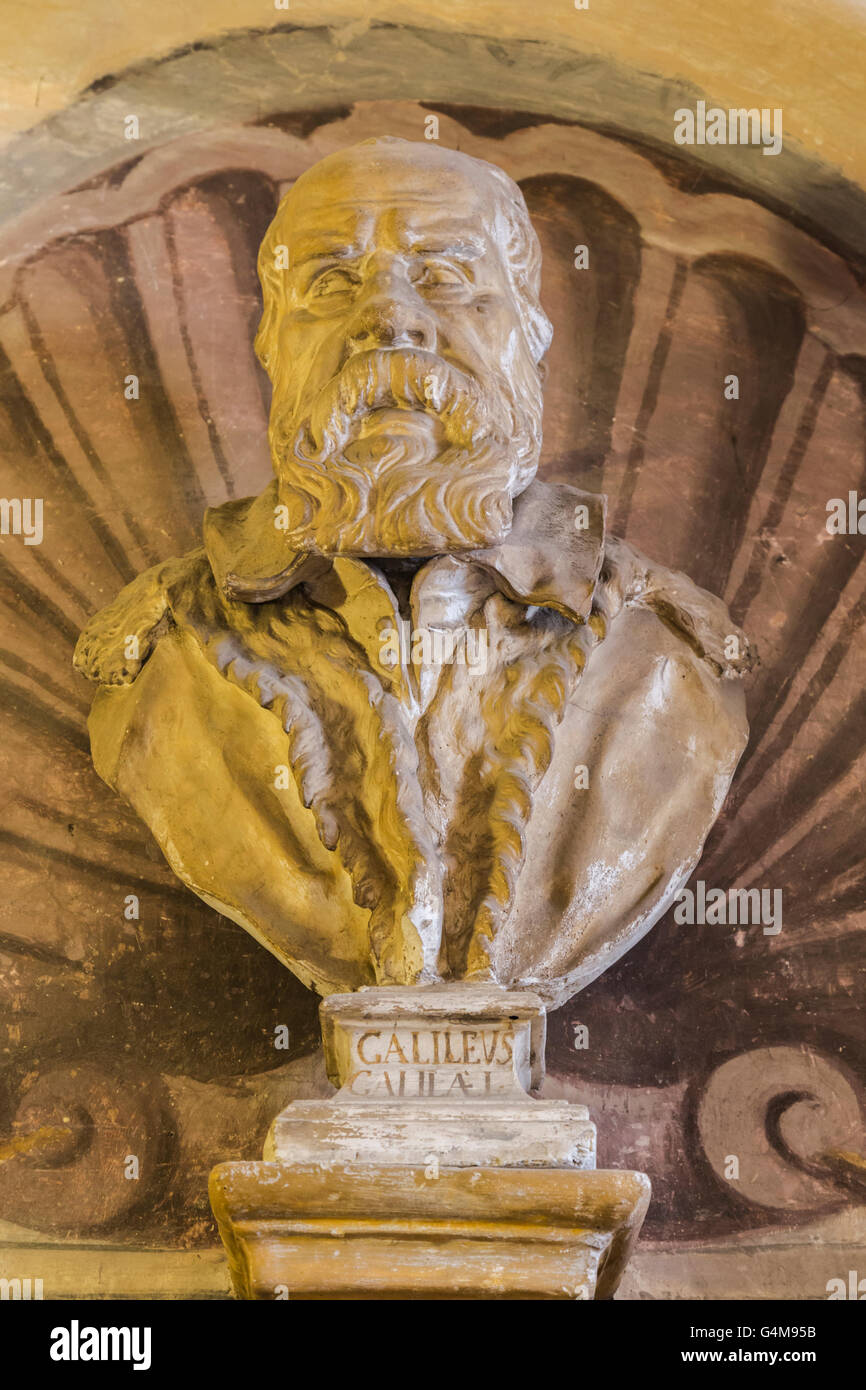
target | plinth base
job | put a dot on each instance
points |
(383, 1232)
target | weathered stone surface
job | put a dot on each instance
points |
(536, 1134)
(440, 1027)
(377, 1232)
(436, 1076)
(406, 1165)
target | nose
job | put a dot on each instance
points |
(392, 317)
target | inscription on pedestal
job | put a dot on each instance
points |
(447, 1071)
(437, 1062)
(441, 1043)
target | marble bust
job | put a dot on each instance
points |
(412, 714)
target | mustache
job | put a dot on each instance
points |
(355, 485)
(402, 379)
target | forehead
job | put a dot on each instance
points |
(342, 200)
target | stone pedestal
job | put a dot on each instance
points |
(433, 1172)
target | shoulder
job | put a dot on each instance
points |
(118, 639)
(629, 581)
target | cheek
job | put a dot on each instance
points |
(488, 330)
(310, 352)
(298, 334)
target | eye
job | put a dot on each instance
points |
(441, 275)
(332, 282)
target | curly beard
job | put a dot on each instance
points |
(404, 455)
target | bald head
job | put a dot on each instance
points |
(455, 189)
(381, 167)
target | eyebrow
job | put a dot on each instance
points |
(320, 247)
(323, 246)
(467, 249)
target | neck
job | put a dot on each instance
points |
(399, 574)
